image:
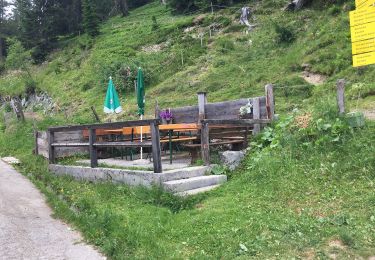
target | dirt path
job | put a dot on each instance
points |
(27, 230)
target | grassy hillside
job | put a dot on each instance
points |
(300, 193)
(229, 65)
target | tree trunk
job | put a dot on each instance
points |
(123, 7)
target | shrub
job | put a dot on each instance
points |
(284, 34)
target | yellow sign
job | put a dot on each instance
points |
(363, 59)
(363, 46)
(362, 16)
(364, 3)
(363, 32)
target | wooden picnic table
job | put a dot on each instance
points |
(170, 128)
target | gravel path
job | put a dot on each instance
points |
(27, 230)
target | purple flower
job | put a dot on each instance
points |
(166, 114)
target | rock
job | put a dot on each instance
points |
(306, 66)
(10, 160)
(232, 159)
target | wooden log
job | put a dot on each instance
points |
(256, 115)
(156, 150)
(202, 101)
(270, 101)
(51, 149)
(92, 149)
(205, 143)
(341, 96)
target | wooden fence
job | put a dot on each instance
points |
(93, 144)
(205, 114)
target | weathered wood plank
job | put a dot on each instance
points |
(51, 149)
(123, 144)
(202, 101)
(270, 101)
(156, 149)
(115, 125)
(256, 115)
(92, 149)
(239, 122)
(341, 96)
(205, 143)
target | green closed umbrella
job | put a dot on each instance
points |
(140, 93)
(112, 102)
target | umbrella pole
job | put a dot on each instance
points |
(141, 139)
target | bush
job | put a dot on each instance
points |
(225, 45)
(284, 34)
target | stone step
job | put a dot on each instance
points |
(194, 183)
(185, 173)
(196, 191)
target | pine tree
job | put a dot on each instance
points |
(90, 18)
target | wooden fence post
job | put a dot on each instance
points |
(36, 135)
(156, 150)
(51, 148)
(341, 96)
(202, 101)
(205, 143)
(92, 148)
(256, 114)
(270, 101)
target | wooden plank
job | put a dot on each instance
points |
(205, 143)
(123, 144)
(187, 114)
(71, 144)
(341, 96)
(51, 149)
(239, 122)
(256, 115)
(92, 148)
(230, 109)
(36, 151)
(115, 125)
(156, 150)
(202, 101)
(270, 101)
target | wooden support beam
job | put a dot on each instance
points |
(341, 96)
(156, 150)
(115, 125)
(202, 101)
(51, 149)
(236, 122)
(92, 148)
(256, 115)
(270, 101)
(205, 143)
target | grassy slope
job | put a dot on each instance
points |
(292, 201)
(226, 66)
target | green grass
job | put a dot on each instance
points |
(288, 201)
(314, 188)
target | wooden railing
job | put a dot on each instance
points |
(255, 124)
(93, 144)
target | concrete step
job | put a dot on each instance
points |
(196, 191)
(184, 173)
(194, 183)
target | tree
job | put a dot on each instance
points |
(90, 18)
